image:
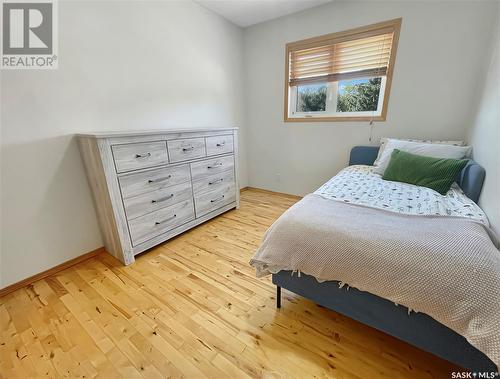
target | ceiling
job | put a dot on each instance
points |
(249, 12)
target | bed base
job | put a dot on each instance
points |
(417, 329)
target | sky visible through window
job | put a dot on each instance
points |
(345, 83)
(312, 87)
(341, 88)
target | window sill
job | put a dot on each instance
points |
(333, 119)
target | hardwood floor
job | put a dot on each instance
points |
(192, 308)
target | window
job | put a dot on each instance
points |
(343, 76)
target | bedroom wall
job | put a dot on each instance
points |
(122, 65)
(484, 135)
(434, 85)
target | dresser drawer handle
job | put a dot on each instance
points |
(187, 148)
(215, 165)
(159, 179)
(166, 220)
(216, 181)
(220, 144)
(163, 199)
(146, 155)
(218, 199)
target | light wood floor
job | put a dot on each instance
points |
(192, 308)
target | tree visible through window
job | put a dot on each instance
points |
(359, 95)
(311, 98)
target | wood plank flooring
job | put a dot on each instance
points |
(192, 308)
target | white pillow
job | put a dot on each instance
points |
(383, 143)
(427, 149)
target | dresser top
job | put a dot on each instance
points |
(132, 133)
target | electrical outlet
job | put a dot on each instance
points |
(278, 177)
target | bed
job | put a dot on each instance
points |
(416, 328)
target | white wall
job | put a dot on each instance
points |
(485, 135)
(122, 65)
(434, 85)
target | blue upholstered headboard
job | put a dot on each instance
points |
(470, 179)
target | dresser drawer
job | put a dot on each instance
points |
(210, 201)
(213, 182)
(151, 201)
(184, 149)
(211, 166)
(135, 156)
(219, 145)
(139, 183)
(153, 224)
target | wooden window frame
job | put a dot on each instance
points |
(366, 31)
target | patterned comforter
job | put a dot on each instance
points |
(359, 185)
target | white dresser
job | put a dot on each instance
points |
(150, 186)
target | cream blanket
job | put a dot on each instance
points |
(446, 267)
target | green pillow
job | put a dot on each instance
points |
(434, 173)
